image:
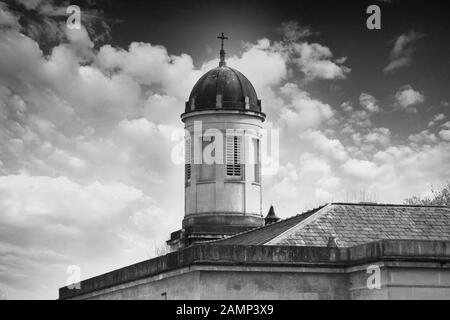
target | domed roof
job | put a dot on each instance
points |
(223, 88)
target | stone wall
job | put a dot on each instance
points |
(408, 269)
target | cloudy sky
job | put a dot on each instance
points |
(87, 116)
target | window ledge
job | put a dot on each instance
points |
(234, 181)
(206, 182)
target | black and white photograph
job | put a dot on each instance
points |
(224, 150)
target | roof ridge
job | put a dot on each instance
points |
(388, 204)
(271, 224)
(304, 222)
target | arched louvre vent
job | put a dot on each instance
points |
(187, 160)
(233, 156)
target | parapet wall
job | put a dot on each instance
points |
(213, 254)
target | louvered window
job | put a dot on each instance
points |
(207, 170)
(233, 156)
(257, 163)
(187, 160)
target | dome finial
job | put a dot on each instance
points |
(222, 52)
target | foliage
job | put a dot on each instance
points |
(437, 197)
(158, 249)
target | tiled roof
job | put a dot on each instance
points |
(352, 224)
(263, 234)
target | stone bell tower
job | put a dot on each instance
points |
(222, 120)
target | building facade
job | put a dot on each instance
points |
(223, 120)
(226, 248)
(387, 269)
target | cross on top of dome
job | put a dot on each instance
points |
(222, 62)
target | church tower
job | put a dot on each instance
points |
(223, 122)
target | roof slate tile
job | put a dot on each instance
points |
(352, 224)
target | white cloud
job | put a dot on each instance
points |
(347, 106)
(297, 185)
(360, 118)
(285, 189)
(416, 167)
(436, 118)
(315, 61)
(151, 65)
(162, 108)
(362, 169)
(445, 134)
(372, 140)
(368, 102)
(262, 63)
(58, 221)
(379, 135)
(333, 148)
(402, 52)
(6, 18)
(302, 111)
(423, 137)
(407, 98)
